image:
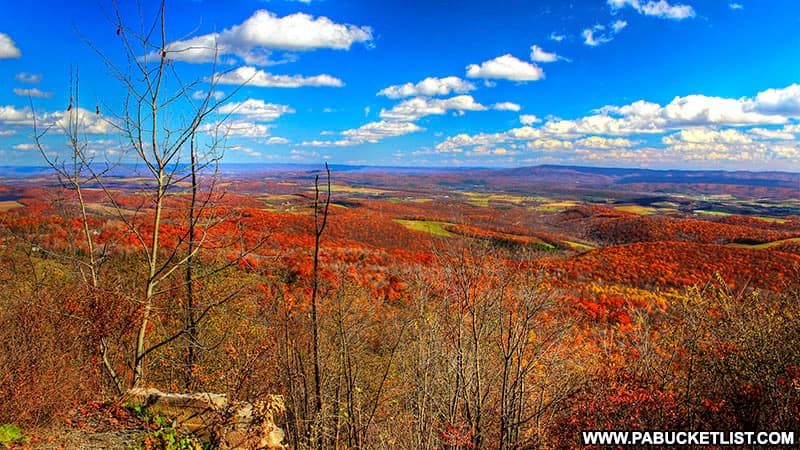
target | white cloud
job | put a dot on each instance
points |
(371, 132)
(303, 155)
(618, 26)
(201, 95)
(695, 129)
(730, 145)
(590, 39)
(88, 121)
(735, 5)
(506, 106)
(597, 35)
(784, 101)
(647, 117)
(660, 8)
(25, 147)
(764, 133)
(251, 152)
(539, 55)
(557, 37)
(415, 108)
(30, 78)
(13, 116)
(275, 140)
(529, 119)
(506, 67)
(549, 144)
(375, 131)
(456, 144)
(8, 49)
(33, 92)
(7, 132)
(238, 128)
(604, 143)
(256, 109)
(705, 136)
(255, 77)
(253, 40)
(429, 87)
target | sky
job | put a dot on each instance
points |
(678, 84)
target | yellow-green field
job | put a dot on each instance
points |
(636, 209)
(483, 199)
(711, 213)
(578, 245)
(766, 245)
(357, 190)
(426, 226)
(556, 206)
(9, 205)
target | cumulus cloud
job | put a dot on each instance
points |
(549, 145)
(758, 131)
(249, 151)
(557, 37)
(8, 48)
(735, 6)
(506, 106)
(88, 121)
(256, 37)
(418, 107)
(604, 143)
(705, 136)
(659, 8)
(647, 117)
(275, 140)
(29, 78)
(371, 132)
(730, 145)
(375, 131)
(506, 67)
(529, 119)
(784, 101)
(237, 128)
(457, 143)
(248, 75)
(770, 134)
(10, 115)
(256, 109)
(33, 92)
(429, 87)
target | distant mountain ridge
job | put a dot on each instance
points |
(569, 175)
(620, 176)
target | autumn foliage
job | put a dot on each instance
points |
(513, 328)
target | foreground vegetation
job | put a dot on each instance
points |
(469, 334)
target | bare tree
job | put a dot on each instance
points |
(172, 134)
(320, 221)
(74, 173)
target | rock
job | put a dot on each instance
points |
(214, 418)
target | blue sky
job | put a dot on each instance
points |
(693, 84)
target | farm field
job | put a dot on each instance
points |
(573, 302)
